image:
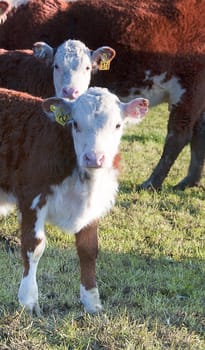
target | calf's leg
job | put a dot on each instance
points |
(87, 248)
(33, 245)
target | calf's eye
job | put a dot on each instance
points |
(118, 126)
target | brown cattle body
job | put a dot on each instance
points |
(21, 71)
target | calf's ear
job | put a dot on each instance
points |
(4, 9)
(135, 110)
(43, 52)
(102, 57)
(57, 109)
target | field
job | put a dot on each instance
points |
(150, 269)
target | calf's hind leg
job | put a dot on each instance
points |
(87, 248)
(33, 245)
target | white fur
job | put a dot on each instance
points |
(28, 290)
(90, 299)
(73, 61)
(35, 202)
(40, 222)
(75, 204)
(169, 91)
(97, 117)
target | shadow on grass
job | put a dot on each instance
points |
(169, 291)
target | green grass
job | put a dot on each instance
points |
(150, 268)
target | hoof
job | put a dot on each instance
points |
(91, 300)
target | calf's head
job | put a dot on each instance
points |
(73, 64)
(97, 118)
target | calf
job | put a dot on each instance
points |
(73, 63)
(160, 54)
(69, 66)
(61, 165)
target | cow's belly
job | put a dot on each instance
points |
(75, 204)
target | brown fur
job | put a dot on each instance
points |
(30, 141)
(21, 71)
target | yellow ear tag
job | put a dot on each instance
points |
(104, 63)
(60, 117)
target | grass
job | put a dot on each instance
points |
(151, 271)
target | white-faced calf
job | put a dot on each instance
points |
(72, 63)
(67, 68)
(60, 164)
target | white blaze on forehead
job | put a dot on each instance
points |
(99, 125)
(72, 67)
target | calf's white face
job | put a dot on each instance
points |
(72, 69)
(73, 63)
(97, 119)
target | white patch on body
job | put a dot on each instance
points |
(90, 299)
(161, 91)
(75, 204)
(7, 202)
(35, 202)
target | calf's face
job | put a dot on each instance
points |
(73, 64)
(97, 119)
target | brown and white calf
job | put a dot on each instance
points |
(160, 49)
(67, 68)
(73, 63)
(59, 163)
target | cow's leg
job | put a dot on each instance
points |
(87, 248)
(197, 156)
(174, 144)
(33, 244)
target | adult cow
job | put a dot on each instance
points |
(61, 166)
(160, 49)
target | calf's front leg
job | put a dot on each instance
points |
(87, 248)
(32, 248)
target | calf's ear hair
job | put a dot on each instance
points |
(44, 52)
(5, 7)
(102, 54)
(135, 109)
(57, 109)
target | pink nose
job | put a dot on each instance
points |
(70, 93)
(93, 160)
